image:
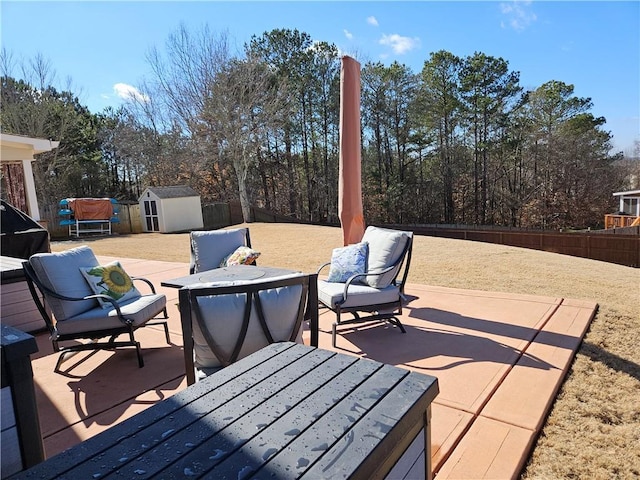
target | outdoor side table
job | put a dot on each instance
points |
(287, 411)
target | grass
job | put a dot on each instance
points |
(593, 430)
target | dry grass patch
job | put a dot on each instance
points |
(593, 430)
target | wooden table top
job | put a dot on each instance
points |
(287, 411)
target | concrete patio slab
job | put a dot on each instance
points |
(555, 345)
(448, 426)
(499, 358)
(489, 450)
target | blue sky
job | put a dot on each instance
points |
(594, 45)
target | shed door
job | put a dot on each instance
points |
(151, 216)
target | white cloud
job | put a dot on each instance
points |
(372, 21)
(348, 34)
(519, 14)
(400, 44)
(128, 92)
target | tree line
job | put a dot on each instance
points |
(461, 141)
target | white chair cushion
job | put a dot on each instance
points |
(223, 315)
(385, 248)
(359, 295)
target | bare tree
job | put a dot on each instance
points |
(34, 106)
(171, 105)
(244, 105)
(182, 81)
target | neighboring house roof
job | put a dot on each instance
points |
(630, 193)
(176, 191)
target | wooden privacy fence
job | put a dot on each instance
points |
(615, 248)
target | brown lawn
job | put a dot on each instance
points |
(593, 430)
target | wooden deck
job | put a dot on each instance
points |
(499, 358)
(620, 221)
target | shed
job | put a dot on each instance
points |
(170, 209)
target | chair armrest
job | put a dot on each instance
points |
(352, 278)
(148, 282)
(106, 298)
(113, 303)
(322, 266)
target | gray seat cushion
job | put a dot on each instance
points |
(385, 248)
(60, 272)
(223, 316)
(210, 248)
(360, 295)
(140, 310)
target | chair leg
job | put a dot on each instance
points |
(166, 333)
(393, 320)
(166, 325)
(95, 345)
(335, 327)
(139, 352)
(59, 362)
(396, 321)
(138, 349)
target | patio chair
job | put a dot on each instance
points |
(368, 277)
(82, 300)
(212, 248)
(226, 322)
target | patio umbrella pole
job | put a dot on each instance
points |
(350, 208)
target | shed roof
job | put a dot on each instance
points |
(175, 191)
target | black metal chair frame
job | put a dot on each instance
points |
(127, 327)
(189, 308)
(390, 310)
(192, 265)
